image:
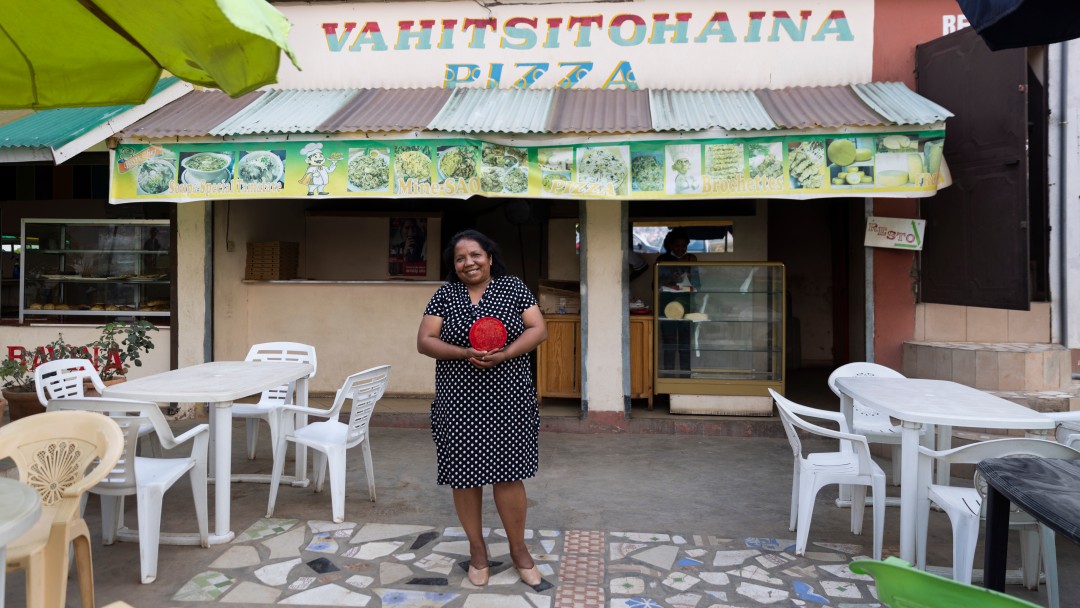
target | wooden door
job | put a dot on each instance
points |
(641, 358)
(559, 358)
(978, 248)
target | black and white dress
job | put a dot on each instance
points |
(485, 422)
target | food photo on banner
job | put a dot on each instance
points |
(408, 247)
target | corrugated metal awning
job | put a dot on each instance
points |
(285, 111)
(699, 110)
(818, 107)
(540, 112)
(387, 110)
(192, 115)
(900, 104)
(56, 135)
(617, 111)
(495, 111)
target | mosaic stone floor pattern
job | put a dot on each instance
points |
(290, 562)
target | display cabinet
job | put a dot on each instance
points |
(95, 268)
(719, 328)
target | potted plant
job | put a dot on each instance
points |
(119, 346)
(17, 377)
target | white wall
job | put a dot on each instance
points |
(353, 326)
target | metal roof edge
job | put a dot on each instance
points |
(119, 122)
(899, 104)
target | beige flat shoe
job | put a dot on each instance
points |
(479, 576)
(531, 576)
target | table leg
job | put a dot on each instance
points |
(301, 450)
(847, 408)
(944, 442)
(221, 434)
(909, 494)
(997, 539)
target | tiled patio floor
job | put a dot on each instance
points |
(292, 562)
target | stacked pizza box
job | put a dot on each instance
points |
(272, 261)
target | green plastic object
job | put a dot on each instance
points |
(901, 586)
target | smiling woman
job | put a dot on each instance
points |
(485, 419)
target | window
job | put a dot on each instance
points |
(705, 236)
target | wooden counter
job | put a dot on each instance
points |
(558, 363)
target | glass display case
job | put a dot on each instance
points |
(95, 268)
(719, 328)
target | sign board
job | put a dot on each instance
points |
(895, 233)
(781, 166)
(674, 44)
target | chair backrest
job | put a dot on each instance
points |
(1015, 447)
(998, 448)
(129, 416)
(282, 352)
(860, 368)
(899, 585)
(55, 453)
(64, 379)
(791, 415)
(364, 389)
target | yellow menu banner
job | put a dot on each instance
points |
(790, 166)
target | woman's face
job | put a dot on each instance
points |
(678, 247)
(471, 263)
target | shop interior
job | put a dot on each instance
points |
(817, 241)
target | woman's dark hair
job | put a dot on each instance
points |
(677, 233)
(498, 267)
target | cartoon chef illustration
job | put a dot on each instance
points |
(685, 181)
(318, 173)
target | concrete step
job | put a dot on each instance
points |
(992, 366)
(1045, 401)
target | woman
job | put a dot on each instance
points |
(485, 420)
(676, 284)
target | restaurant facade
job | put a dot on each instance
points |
(778, 133)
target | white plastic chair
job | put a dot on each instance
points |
(866, 421)
(851, 465)
(146, 478)
(67, 378)
(332, 438)
(287, 352)
(964, 506)
(1068, 429)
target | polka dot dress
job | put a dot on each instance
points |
(485, 422)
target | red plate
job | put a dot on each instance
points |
(487, 333)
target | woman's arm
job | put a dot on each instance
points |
(535, 333)
(428, 342)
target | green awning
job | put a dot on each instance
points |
(57, 135)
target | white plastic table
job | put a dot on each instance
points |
(218, 384)
(20, 507)
(916, 402)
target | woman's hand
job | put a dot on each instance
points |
(487, 359)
